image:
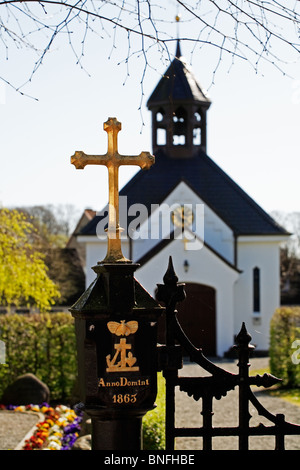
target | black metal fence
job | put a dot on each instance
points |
(216, 385)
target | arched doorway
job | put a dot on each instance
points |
(197, 316)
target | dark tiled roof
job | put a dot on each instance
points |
(177, 84)
(243, 215)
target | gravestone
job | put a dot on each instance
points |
(25, 390)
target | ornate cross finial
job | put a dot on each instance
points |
(113, 160)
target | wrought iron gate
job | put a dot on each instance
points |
(214, 386)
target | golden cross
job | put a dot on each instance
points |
(113, 160)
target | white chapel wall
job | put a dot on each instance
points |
(96, 250)
(265, 255)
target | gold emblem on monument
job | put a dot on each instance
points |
(122, 362)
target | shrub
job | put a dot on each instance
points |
(43, 344)
(154, 421)
(284, 330)
(23, 273)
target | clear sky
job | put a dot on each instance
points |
(253, 124)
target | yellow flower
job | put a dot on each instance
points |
(35, 408)
(54, 446)
(20, 408)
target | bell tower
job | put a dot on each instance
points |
(179, 107)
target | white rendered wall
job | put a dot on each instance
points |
(265, 255)
(96, 250)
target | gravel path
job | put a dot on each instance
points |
(14, 426)
(226, 413)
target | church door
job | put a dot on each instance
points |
(197, 316)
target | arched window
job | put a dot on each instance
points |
(197, 128)
(161, 133)
(160, 115)
(180, 126)
(197, 136)
(197, 116)
(161, 136)
(256, 289)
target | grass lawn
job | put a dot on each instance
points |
(290, 394)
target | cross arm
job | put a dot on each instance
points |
(145, 160)
(80, 160)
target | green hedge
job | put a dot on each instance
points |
(43, 344)
(284, 330)
(154, 420)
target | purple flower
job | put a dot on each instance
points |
(11, 407)
(68, 441)
(71, 433)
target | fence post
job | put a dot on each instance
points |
(279, 438)
(243, 347)
(170, 293)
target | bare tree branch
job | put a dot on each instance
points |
(251, 30)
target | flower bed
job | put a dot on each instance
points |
(58, 431)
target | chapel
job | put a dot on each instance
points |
(224, 246)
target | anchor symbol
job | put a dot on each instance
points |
(126, 362)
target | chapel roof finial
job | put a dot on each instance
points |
(178, 49)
